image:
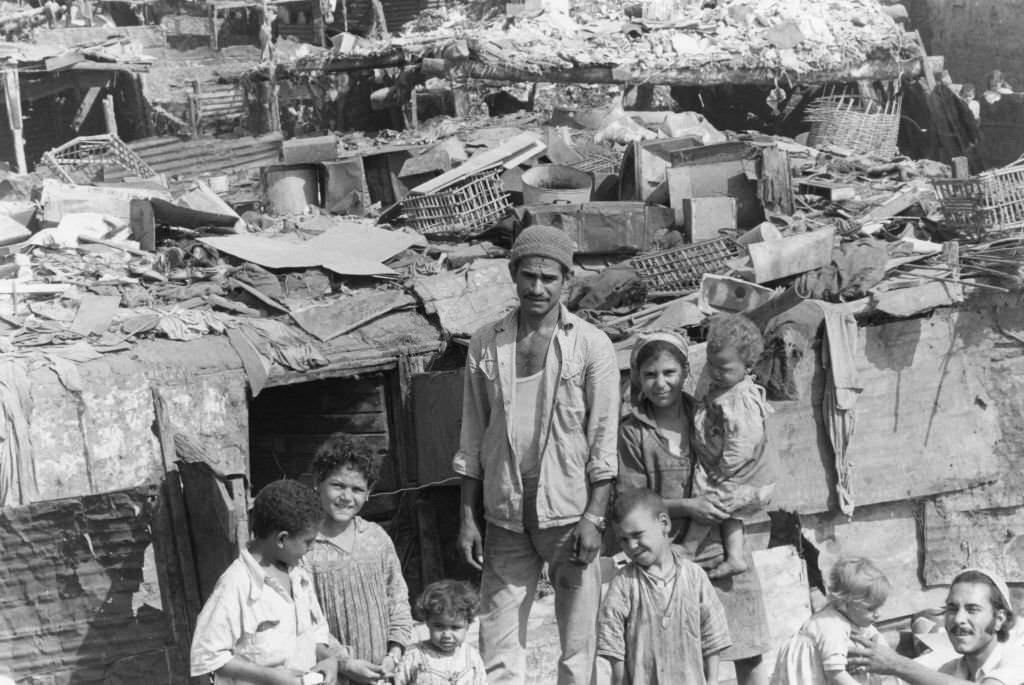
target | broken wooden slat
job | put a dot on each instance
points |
(176, 508)
(775, 186)
(85, 107)
(510, 154)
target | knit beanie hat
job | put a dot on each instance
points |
(544, 241)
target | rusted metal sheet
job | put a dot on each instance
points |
(102, 438)
(437, 418)
(887, 534)
(175, 156)
(79, 599)
(982, 528)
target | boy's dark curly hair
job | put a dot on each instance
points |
(342, 450)
(736, 331)
(285, 505)
(451, 597)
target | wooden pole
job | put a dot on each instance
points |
(109, 115)
(12, 99)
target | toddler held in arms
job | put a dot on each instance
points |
(729, 438)
(816, 655)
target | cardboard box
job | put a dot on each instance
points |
(309, 150)
(720, 169)
(705, 217)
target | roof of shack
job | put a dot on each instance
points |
(742, 42)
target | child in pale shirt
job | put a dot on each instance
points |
(660, 620)
(448, 607)
(729, 438)
(816, 655)
(263, 624)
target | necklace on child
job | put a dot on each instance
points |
(666, 610)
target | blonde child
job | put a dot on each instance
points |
(729, 438)
(355, 568)
(448, 607)
(816, 655)
(660, 621)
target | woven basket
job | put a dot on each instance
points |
(678, 271)
(470, 206)
(985, 205)
(855, 123)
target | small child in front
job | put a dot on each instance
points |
(816, 655)
(729, 438)
(448, 607)
(660, 621)
(263, 624)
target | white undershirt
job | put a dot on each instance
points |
(527, 424)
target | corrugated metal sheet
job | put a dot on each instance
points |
(222, 102)
(176, 156)
(78, 593)
(398, 12)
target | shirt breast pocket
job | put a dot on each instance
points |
(488, 367)
(262, 640)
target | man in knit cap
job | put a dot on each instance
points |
(538, 442)
(979, 623)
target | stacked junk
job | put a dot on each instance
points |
(673, 220)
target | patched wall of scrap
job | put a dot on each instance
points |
(938, 451)
(102, 439)
(79, 600)
(954, 29)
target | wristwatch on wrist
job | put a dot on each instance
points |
(598, 521)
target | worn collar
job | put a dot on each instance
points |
(566, 320)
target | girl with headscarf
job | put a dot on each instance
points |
(655, 452)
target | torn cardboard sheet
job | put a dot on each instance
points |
(466, 300)
(58, 199)
(347, 248)
(348, 312)
(904, 302)
(95, 312)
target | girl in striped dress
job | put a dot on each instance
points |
(355, 568)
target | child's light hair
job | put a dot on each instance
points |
(858, 579)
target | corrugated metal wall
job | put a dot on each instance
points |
(79, 597)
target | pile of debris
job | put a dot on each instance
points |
(658, 37)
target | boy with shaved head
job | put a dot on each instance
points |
(661, 621)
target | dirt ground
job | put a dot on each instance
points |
(543, 649)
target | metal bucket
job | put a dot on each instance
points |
(549, 184)
(291, 189)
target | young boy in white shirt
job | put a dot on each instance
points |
(263, 624)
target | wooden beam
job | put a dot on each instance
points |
(83, 109)
(12, 100)
(456, 69)
(176, 508)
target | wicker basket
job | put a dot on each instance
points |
(678, 271)
(987, 205)
(856, 123)
(470, 206)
